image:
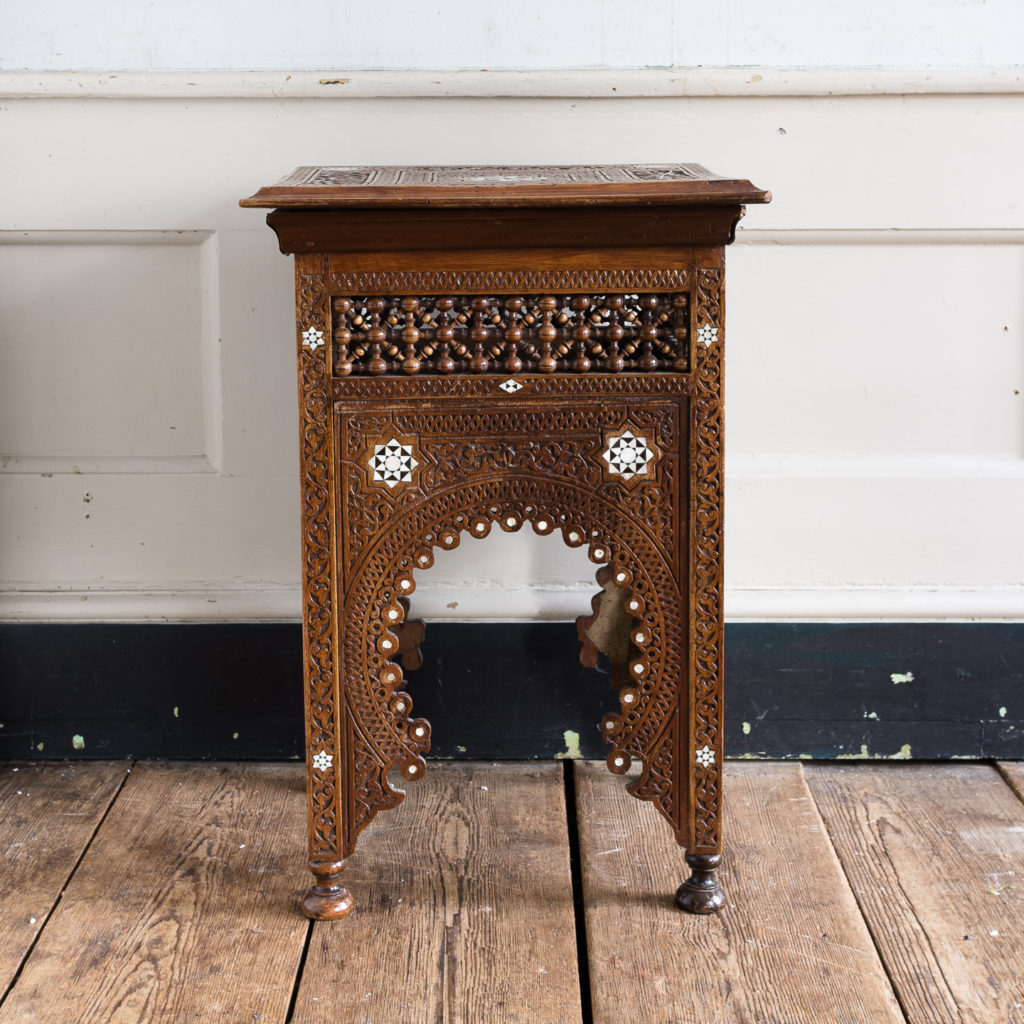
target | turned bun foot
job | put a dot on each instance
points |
(327, 899)
(701, 893)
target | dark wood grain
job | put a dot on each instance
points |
(575, 388)
(182, 909)
(464, 912)
(48, 813)
(527, 233)
(935, 855)
(789, 947)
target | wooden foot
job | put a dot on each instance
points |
(701, 893)
(328, 899)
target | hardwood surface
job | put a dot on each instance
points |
(935, 856)
(182, 906)
(579, 400)
(1013, 772)
(48, 814)
(789, 942)
(468, 889)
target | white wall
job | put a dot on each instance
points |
(875, 453)
(540, 34)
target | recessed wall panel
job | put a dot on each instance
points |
(878, 350)
(101, 347)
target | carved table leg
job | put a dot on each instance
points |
(327, 899)
(701, 893)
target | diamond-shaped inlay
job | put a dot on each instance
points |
(322, 761)
(312, 338)
(705, 756)
(707, 335)
(511, 385)
(627, 454)
(392, 463)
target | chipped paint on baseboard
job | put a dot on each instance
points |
(1002, 712)
(78, 742)
(572, 746)
(901, 677)
(903, 754)
(746, 728)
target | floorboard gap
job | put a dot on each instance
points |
(1008, 778)
(575, 866)
(298, 973)
(67, 881)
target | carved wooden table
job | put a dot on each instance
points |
(485, 346)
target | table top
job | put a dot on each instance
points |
(491, 186)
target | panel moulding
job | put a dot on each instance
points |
(610, 83)
(482, 602)
(208, 460)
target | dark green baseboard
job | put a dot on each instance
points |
(507, 691)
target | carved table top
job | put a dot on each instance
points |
(504, 186)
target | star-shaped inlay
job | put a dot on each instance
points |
(705, 756)
(392, 463)
(312, 338)
(322, 761)
(511, 386)
(707, 335)
(627, 454)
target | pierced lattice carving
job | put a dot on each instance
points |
(607, 333)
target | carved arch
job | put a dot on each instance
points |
(378, 714)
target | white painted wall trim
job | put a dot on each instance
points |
(879, 236)
(604, 83)
(483, 602)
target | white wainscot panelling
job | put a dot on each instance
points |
(191, 34)
(867, 345)
(109, 350)
(876, 424)
(875, 436)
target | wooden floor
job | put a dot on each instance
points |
(502, 893)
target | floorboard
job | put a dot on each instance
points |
(464, 908)
(172, 897)
(789, 947)
(183, 907)
(48, 814)
(935, 855)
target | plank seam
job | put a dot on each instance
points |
(300, 968)
(1010, 781)
(576, 874)
(64, 886)
(853, 892)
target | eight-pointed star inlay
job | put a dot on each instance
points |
(392, 463)
(627, 454)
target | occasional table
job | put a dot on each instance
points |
(497, 347)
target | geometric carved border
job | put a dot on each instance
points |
(488, 387)
(446, 281)
(317, 553)
(706, 562)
